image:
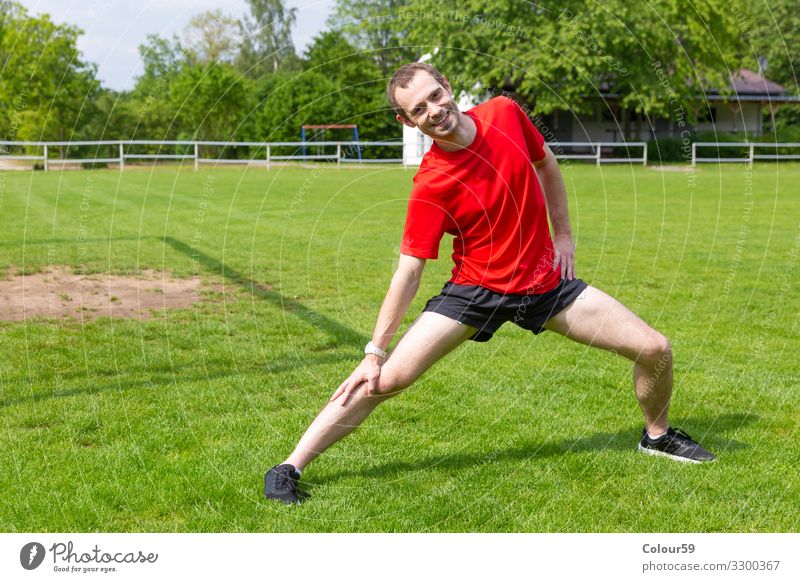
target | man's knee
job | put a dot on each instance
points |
(392, 383)
(657, 351)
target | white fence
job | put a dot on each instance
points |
(751, 148)
(344, 152)
(341, 152)
(596, 153)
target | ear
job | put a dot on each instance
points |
(404, 121)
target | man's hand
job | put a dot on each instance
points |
(405, 283)
(368, 372)
(565, 255)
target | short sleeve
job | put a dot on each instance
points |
(533, 139)
(426, 222)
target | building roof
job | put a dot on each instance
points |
(747, 85)
(747, 82)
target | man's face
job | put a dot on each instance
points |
(429, 106)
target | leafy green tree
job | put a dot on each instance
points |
(267, 38)
(151, 99)
(286, 101)
(655, 56)
(359, 84)
(340, 85)
(210, 101)
(46, 90)
(212, 37)
(161, 57)
(373, 25)
(772, 30)
(117, 116)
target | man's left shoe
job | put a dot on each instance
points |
(676, 445)
(280, 483)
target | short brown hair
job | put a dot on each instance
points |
(402, 78)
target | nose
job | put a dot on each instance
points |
(434, 109)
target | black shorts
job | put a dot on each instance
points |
(488, 310)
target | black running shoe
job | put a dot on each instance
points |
(676, 445)
(280, 483)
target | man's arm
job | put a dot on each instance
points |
(402, 290)
(555, 193)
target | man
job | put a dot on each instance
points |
(490, 181)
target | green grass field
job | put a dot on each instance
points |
(168, 424)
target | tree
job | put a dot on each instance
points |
(46, 90)
(212, 37)
(151, 100)
(285, 101)
(358, 82)
(657, 56)
(267, 38)
(373, 25)
(773, 33)
(340, 84)
(210, 101)
(160, 56)
(117, 116)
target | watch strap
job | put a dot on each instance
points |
(371, 348)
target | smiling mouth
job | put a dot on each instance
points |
(442, 120)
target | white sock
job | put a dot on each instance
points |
(652, 438)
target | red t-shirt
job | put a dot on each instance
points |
(488, 197)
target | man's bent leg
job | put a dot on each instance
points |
(599, 320)
(431, 337)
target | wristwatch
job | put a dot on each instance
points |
(371, 348)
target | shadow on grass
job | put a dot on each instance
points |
(623, 440)
(109, 381)
(341, 334)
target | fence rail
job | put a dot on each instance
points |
(343, 148)
(344, 151)
(597, 153)
(751, 148)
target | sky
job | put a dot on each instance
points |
(114, 29)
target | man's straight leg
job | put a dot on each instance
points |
(599, 320)
(431, 337)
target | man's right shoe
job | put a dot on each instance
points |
(280, 483)
(677, 445)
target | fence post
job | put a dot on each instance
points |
(644, 155)
(599, 150)
(752, 152)
(196, 150)
(268, 156)
(121, 157)
(45, 158)
(694, 153)
(338, 155)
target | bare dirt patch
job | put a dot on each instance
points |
(60, 293)
(16, 165)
